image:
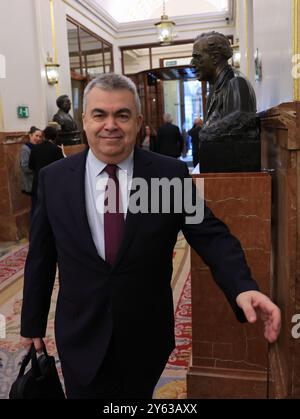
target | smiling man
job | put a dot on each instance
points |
(111, 121)
(114, 319)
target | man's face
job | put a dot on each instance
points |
(111, 124)
(203, 62)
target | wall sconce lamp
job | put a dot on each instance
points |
(52, 71)
(236, 57)
(165, 28)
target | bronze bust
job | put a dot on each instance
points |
(68, 133)
(229, 137)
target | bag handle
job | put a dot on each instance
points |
(31, 355)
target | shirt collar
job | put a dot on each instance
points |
(96, 166)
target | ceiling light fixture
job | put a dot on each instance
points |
(165, 28)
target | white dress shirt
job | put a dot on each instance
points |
(95, 183)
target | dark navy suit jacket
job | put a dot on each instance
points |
(169, 140)
(131, 300)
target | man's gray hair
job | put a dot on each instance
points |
(168, 117)
(110, 82)
(217, 43)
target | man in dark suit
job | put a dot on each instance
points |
(114, 317)
(169, 139)
(42, 155)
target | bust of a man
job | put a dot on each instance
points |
(68, 133)
(230, 119)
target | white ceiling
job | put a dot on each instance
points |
(137, 10)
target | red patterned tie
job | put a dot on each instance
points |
(113, 215)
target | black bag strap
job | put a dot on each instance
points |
(31, 355)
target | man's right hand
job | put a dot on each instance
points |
(38, 344)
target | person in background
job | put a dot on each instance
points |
(186, 140)
(169, 139)
(35, 137)
(42, 155)
(149, 140)
(194, 133)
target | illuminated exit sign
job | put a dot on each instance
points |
(23, 112)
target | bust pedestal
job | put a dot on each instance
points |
(230, 359)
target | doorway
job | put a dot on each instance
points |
(183, 99)
(174, 90)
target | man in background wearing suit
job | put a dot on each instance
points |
(169, 139)
(114, 317)
(43, 154)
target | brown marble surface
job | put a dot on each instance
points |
(225, 352)
(14, 205)
(73, 149)
(280, 133)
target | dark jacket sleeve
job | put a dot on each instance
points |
(39, 274)
(180, 140)
(153, 145)
(31, 162)
(223, 253)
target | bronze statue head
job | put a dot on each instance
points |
(63, 102)
(211, 53)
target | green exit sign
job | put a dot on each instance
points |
(23, 112)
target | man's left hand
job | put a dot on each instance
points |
(257, 305)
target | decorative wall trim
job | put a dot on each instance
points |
(296, 43)
(246, 5)
(97, 22)
(54, 41)
(125, 30)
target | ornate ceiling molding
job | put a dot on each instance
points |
(195, 21)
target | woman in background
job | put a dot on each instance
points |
(149, 140)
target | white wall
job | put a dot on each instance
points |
(26, 37)
(273, 38)
(22, 85)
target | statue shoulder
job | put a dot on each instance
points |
(240, 80)
(59, 118)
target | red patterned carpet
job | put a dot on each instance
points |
(172, 384)
(11, 264)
